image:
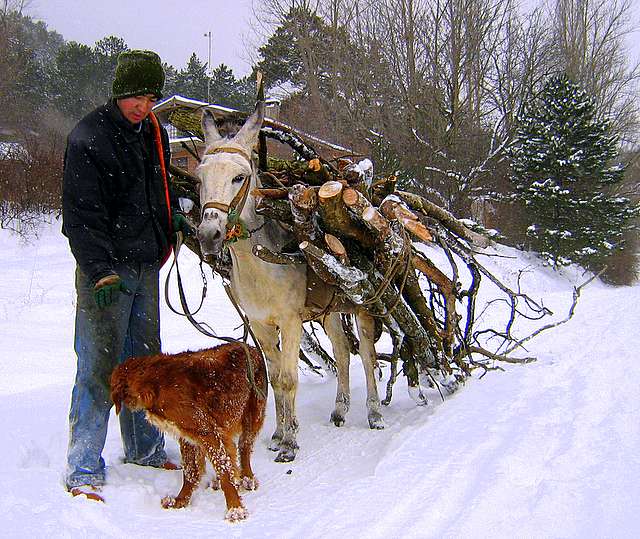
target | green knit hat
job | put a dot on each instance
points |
(138, 73)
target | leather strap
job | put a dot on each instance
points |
(236, 204)
(158, 141)
(229, 149)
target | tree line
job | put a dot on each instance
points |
(42, 74)
(438, 91)
(47, 84)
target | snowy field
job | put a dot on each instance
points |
(550, 449)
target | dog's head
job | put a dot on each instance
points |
(127, 389)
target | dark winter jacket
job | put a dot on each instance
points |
(113, 198)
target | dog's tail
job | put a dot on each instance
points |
(118, 386)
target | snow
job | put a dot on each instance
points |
(549, 449)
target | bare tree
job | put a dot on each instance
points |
(589, 45)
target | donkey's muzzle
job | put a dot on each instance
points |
(210, 235)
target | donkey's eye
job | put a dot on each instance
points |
(239, 178)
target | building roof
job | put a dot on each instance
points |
(220, 113)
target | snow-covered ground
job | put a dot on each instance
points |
(550, 449)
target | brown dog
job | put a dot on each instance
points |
(205, 399)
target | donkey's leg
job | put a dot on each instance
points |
(366, 334)
(340, 345)
(285, 386)
(268, 338)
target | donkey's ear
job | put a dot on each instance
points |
(211, 133)
(248, 134)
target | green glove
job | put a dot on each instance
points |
(181, 224)
(107, 290)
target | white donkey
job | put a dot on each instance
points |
(272, 296)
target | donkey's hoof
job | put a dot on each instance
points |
(236, 513)
(286, 454)
(376, 421)
(337, 419)
(275, 443)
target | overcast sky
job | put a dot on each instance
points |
(174, 29)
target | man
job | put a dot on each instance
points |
(118, 218)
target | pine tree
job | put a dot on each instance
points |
(192, 81)
(76, 72)
(107, 51)
(564, 174)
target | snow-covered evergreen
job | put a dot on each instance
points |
(564, 172)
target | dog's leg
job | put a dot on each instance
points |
(193, 464)
(221, 461)
(232, 452)
(366, 332)
(340, 346)
(252, 420)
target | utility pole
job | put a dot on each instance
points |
(208, 35)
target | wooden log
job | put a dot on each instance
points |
(331, 271)
(425, 266)
(329, 191)
(302, 202)
(448, 291)
(383, 187)
(393, 208)
(417, 229)
(183, 174)
(270, 192)
(377, 221)
(337, 248)
(355, 200)
(317, 173)
(398, 312)
(311, 348)
(412, 293)
(336, 219)
(434, 211)
(390, 246)
(276, 209)
(273, 257)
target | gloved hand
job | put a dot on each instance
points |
(107, 290)
(181, 224)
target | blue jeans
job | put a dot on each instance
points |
(103, 339)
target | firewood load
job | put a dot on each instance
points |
(363, 237)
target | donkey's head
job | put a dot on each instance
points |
(226, 174)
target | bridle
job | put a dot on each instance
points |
(236, 205)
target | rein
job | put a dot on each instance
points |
(203, 327)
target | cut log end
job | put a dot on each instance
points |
(330, 190)
(335, 245)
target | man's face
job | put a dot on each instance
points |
(136, 108)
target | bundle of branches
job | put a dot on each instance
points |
(361, 237)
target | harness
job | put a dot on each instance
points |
(236, 228)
